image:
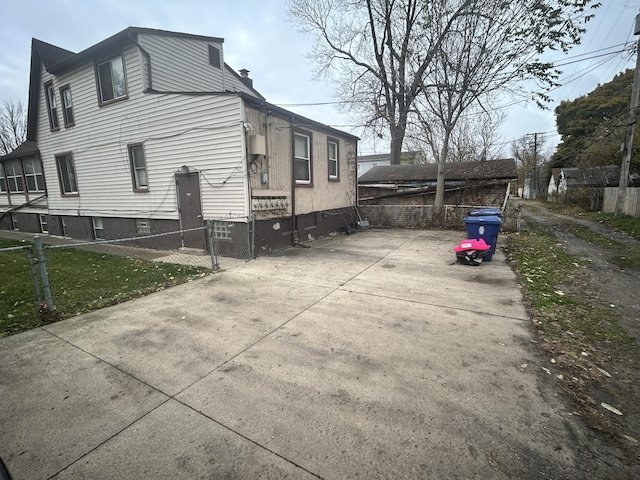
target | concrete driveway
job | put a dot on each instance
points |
(364, 356)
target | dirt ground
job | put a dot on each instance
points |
(614, 377)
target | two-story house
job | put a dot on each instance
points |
(151, 131)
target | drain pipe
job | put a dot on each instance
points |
(294, 226)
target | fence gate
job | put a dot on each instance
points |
(232, 240)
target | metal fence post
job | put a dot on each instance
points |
(43, 272)
(212, 248)
(34, 274)
(252, 236)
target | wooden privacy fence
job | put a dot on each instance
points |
(631, 204)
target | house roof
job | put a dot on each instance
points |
(608, 176)
(298, 120)
(57, 60)
(428, 172)
(405, 157)
(26, 149)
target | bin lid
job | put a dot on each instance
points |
(483, 212)
(486, 220)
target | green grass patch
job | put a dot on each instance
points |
(556, 289)
(81, 281)
(621, 254)
(625, 223)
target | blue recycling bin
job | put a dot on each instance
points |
(486, 227)
(486, 212)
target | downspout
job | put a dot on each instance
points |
(294, 227)
(149, 85)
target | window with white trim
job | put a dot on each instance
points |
(332, 158)
(43, 223)
(302, 159)
(98, 228)
(33, 175)
(13, 170)
(138, 168)
(111, 81)
(3, 185)
(67, 174)
(52, 106)
(67, 106)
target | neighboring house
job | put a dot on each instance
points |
(366, 162)
(149, 131)
(566, 179)
(466, 183)
(586, 185)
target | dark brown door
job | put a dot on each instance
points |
(190, 209)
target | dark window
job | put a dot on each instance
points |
(15, 182)
(214, 56)
(33, 175)
(302, 159)
(67, 106)
(111, 83)
(67, 174)
(138, 167)
(52, 106)
(332, 158)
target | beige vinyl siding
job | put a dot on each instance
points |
(172, 56)
(325, 194)
(203, 132)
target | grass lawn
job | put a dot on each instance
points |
(81, 281)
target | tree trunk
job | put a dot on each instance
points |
(438, 204)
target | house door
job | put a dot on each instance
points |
(190, 209)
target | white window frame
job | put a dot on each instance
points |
(52, 106)
(36, 174)
(333, 160)
(98, 228)
(300, 158)
(14, 178)
(117, 78)
(42, 218)
(67, 106)
(67, 173)
(139, 175)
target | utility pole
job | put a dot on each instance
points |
(627, 146)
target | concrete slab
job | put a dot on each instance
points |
(58, 403)
(360, 389)
(172, 338)
(363, 356)
(175, 442)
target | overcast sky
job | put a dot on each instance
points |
(258, 38)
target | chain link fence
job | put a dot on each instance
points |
(46, 272)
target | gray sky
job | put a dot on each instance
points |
(258, 38)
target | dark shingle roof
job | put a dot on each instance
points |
(428, 172)
(50, 54)
(25, 150)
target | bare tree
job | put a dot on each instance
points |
(486, 54)
(531, 156)
(13, 125)
(379, 51)
(384, 54)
